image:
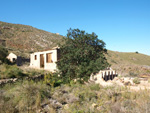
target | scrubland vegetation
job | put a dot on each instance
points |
(9, 71)
(23, 96)
(30, 96)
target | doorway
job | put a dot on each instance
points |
(41, 60)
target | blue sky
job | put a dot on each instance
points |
(124, 25)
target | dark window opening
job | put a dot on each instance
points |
(35, 57)
(49, 58)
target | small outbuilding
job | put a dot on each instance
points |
(45, 59)
(12, 57)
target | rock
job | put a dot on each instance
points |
(64, 91)
(47, 107)
(122, 81)
(94, 105)
(72, 99)
(127, 83)
(66, 106)
(115, 79)
(55, 103)
(15, 79)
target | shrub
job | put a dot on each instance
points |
(136, 52)
(3, 54)
(33, 72)
(52, 79)
(9, 71)
(49, 79)
(148, 80)
(132, 74)
(14, 71)
(136, 80)
(95, 87)
(24, 97)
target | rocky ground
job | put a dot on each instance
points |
(144, 83)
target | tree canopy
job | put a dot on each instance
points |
(81, 55)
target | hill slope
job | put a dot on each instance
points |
(24, 39)
(128, 58)
(131, 64)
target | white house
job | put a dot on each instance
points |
(45, 59)
(12, 57)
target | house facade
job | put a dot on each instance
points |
(46, 59)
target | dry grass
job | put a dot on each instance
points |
(75, 98)
(23, 39)
(23, 97)
(129, 64)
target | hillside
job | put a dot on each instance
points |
(126, 58)
(23, 39)
(129, 64)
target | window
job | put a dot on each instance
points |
(35, 57)
(49, 58)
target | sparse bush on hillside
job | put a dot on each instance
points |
(113, 61)
(23, 97)
(49, 79)
(136, 80)
(14, 71)
(52, 79)
(32, 72)
(3, 54)
(149, 80)
(137, 52)
(10, 71)
(132, 74)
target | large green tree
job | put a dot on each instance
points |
(81, 55)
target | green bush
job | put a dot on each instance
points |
(23, 97)
(148, 80)
(11, 71)
(3, 54)
(49, 79)
(33, 72)
(136, 80)
(95, 87)
(52, 79)
(136, 52)
(132, 74)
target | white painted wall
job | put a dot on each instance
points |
(47, 66)
(11, 56)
